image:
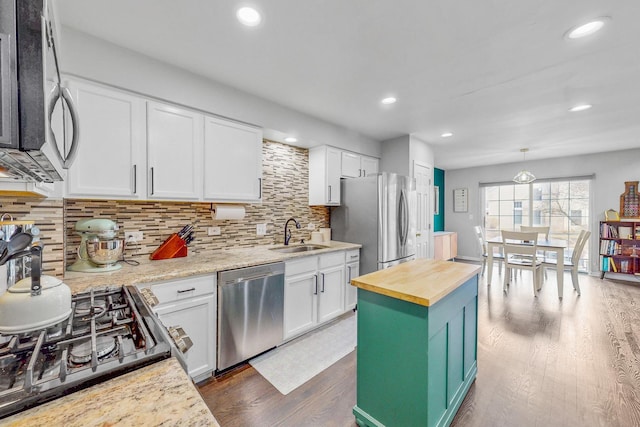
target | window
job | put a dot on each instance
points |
(563, 205)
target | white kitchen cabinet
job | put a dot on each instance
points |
(324, 176)
(356, 165)
(313, 292)
(196, 316)
(111, 156)
(174, 152)
(232, 161)
(352, 260)
(370, 165)
(191, 304)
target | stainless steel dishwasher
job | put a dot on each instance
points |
(250, 312)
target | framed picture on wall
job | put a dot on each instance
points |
(461, 200)
(436, 200)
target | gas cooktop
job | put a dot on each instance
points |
(109, 332)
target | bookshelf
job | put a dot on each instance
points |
(619, 247)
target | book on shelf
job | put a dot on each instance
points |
(612, 264)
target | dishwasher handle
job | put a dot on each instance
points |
(250, 278)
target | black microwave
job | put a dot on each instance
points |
(29, 91)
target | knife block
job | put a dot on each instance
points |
(173, 247)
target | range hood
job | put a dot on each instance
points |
(28, 68)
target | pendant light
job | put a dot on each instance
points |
(524, 176)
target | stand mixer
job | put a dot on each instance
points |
(99, 250)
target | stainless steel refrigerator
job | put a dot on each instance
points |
(379, 212)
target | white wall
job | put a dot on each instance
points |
(95, 59)
(611, 170)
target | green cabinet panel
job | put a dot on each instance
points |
(415, 363)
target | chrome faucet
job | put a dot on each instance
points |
(287, 232)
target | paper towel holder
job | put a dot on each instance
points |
(215, 213)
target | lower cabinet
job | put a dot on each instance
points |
(445, 245)
(313, 292)
(191, 304)
(352, 260)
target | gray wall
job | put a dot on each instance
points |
(95, 59)
(611, 170)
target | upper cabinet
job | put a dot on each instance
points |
(174, 144)
(327, 165)
(356, 165)
(232, 161)
(134, 148)
(324, 176)
(111, 157)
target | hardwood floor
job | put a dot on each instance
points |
(541, 362)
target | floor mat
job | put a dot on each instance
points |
(294, 363)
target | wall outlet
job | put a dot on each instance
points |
(213, 231)
(311, 226)
(133, 236)
(261, 229)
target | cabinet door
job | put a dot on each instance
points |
(351, 165)
(111, 153)
(300, 308)
(174, 145)
(369, 165)
(351, 292)
(333, 176)
(197, 317)
(232, 161)
(330, 293)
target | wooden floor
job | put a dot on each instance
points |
(541, 362)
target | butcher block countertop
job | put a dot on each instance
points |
(158, 394)
(422, 281)
(208, 262)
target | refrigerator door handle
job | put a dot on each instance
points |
(404, 216)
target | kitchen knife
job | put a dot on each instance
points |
(184, 230)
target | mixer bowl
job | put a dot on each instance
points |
(105, 252)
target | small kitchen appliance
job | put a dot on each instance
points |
(99, 250)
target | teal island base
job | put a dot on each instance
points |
(415, 363)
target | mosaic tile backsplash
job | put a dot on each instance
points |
(284, 195)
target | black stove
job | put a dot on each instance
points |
(109, 332)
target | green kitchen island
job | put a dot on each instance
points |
(417, 342)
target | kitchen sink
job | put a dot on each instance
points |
(299, 248)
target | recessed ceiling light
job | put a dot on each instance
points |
(446, 135)
(587, 29)
(291, 139)
(389, 100)
(248, 16)
(580, 107)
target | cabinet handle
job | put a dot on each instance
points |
(359, 172)
(354, 256)
(152, 189)
(315, 292)
(135, 179)
(329, 193)
(364, 172)
(349, 279)
(260, 187)
(322, 274)
(182, 291)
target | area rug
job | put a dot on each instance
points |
(296, 362)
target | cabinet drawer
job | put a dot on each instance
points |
(183, 288)
(331, 260)
(300, 266)
(352, 255)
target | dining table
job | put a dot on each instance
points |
(550, 245)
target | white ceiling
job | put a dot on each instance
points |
(498, 74)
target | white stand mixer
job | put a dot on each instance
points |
(97, 231)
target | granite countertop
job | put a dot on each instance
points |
(158, 394)
(199, 264)
(422, 281)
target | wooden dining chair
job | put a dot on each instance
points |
(520, 250)
(482, 244)
(542, 231)
(573, 262)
